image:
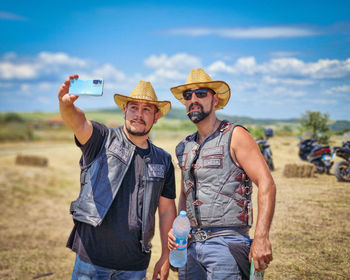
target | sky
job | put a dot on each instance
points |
(280, 58)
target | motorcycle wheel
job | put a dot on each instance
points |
(342, 171)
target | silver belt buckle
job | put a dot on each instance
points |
(200, 236)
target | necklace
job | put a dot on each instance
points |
(210, 133)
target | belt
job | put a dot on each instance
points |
(201, 235)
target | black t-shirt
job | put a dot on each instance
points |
(116, 243)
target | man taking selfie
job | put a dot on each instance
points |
(124, 179)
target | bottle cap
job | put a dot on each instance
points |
(183, 213)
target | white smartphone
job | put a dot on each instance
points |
(86, 87)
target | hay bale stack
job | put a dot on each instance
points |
(32, 160)
(293, 170)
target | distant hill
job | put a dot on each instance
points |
(338, 125)
(180, 115)
(343, 126)
(176, 113)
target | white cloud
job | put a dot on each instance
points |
(287, 81)
(220, 66)
(239, 86)
(46, 86)
(10, 70)
(292, 66)
(277, 81)
(13, 67)
(321, 69)
(246, 65)
(326, 68)
(108, 71)
(60, 59)
(173, 68)
(323, 101)
(11, 16)
(265, 32)
(339, 89)
(178, 61)
(243, 65)
(283, 54)
(25, 89)
(287, 92)
(9, 56)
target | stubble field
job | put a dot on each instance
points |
(310, 233)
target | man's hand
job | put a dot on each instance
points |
(172, 245)
(161, 269)
(63, 96)
(261, 252)
(72, 116)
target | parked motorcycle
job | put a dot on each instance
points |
(265, 149)
(320, 156)
(342, 168)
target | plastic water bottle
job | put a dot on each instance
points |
(181, 229)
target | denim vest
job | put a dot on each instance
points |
(101, 180)
(218, 192)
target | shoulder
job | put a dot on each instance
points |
(227, 126)
(99, 132)
(238, 129)
(117, 130)
(241, 137)
(180, 147)
(160, 151)
(99, 126)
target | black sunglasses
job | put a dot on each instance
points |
(200, 93)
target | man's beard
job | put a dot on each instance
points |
(198, 116)
(141, 133)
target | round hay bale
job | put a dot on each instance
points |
(293, 170)
(32, 160)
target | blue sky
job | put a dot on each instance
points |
(280, 58)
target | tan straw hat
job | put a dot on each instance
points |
(143, 92)
(199, 79)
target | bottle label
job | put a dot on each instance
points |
(182, 243)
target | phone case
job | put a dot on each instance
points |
(86, 87)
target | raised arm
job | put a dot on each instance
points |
(72, 116)
(247, 154)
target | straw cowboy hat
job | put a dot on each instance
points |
(143, 92)
(199, 79)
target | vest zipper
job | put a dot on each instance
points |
(143, 222)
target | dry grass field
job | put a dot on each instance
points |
(310, 232)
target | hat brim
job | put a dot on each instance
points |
(221, 88)
(163, 106)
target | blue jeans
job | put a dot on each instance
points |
(211, 259)
(86, 271)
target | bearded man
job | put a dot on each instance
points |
(219, 163)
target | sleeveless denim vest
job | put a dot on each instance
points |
(218, 192)
(101, 180)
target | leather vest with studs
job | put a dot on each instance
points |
(102, 178)
(218, 192)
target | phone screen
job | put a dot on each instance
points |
(86, 87)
